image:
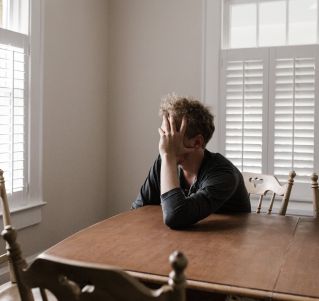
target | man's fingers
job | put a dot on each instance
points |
(165, 124)
(172, 124)
(183, 125)
(161, 132)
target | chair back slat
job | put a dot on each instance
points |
(271, 202)
(260, 201)
(260, 184)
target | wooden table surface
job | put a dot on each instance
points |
(256, 255)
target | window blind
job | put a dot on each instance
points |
(13, 108)
(294, 117)
(269, 116)
(244, 93)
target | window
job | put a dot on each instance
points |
(20, 90)
(13, 98)
(269, 88)
(257, 23)
(269, 108)
(15, 15)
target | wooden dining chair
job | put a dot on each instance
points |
(9, 290)
(75, 281)
(315, 190)
(261, 185)
(6, 220)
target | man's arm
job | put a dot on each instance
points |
(169, 174)
(180, 211)
(171, 145)
(163, 176)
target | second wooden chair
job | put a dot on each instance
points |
(261, 185)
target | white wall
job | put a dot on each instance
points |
(155, 47)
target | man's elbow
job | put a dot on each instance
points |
(175, 221)
(137, 203)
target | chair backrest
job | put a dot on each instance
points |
(315, 190)
(6, 218)
(259, 184)
(75, 281)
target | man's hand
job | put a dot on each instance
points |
(172, 141)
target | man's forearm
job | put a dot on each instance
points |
(169, 174)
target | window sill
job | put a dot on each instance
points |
(27, 215)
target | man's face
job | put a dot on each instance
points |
(188, 143)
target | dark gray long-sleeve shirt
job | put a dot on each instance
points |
(219, 187)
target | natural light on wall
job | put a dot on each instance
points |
(14, 62)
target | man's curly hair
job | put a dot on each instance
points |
(199, 119)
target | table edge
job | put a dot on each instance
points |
(224, 289)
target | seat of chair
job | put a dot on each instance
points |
(9, 292)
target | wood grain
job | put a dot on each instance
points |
(299, 273)
(240, 251)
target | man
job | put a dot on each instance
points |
(187, 180)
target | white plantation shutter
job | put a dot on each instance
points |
(13, 109)
(244, 80)
(270, 111)
(293, 90)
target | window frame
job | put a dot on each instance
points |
(28, 211)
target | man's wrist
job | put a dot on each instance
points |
(169, 158)
(169, 174)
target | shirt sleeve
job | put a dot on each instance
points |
(149, 193)
(181, 211)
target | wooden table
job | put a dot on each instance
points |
(247, 254)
